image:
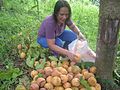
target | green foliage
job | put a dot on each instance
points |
(41, 65)
(85, 83)
(53, 58)
(86, 65)
(86, 18)
(9, 77)
(10, 73)
(24, 80)
(108, 84)
(30, 62)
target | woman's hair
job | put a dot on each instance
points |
(59, 4)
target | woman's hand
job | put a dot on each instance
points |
(81, 36)
(73, 57)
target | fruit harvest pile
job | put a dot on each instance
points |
(63, 75)
(52, 74)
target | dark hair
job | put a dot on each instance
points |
(59, 4)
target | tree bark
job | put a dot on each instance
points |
(106, 49)
(109, 21)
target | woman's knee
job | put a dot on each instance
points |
(68, 35)
(59, 42)
(42, 42)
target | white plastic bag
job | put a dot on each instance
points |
(81, 47)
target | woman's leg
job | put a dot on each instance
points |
(43, 42)
(68, 36)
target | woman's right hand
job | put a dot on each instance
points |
(73, 57)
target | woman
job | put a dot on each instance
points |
(52, 33)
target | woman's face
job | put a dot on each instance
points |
(63, 14)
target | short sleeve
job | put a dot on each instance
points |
(69, 22)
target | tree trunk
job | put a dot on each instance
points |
(109, 21)
(107, 47)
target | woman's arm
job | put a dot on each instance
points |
(62, 51)
(74, 28)
(52, 46)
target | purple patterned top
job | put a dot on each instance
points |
(50, 29)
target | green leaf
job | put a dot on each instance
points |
(5, 75)
(42, 55)
(10, 73)
(36, 54)
(40, 75)
(41, 65)
(16, 73)
(33, 44)
(85, 83)
(53, 58)
(38, 66)
(30, 61)
(25, 80)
